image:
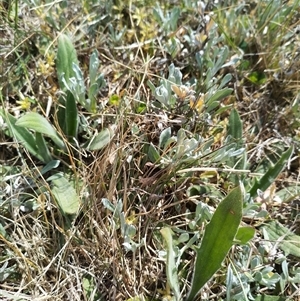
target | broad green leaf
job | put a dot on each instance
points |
(71, 117)
(60, 113)
(66, 56)
(162, 95)
(41, 125)
(22, 135)
(286, 239)
(65, 194)
(222, 57)
(212, 105)
(101, 140)
(153, 154)
(217, 240)
(244, 235)
(269, 177)
(171, 268)
(223, 109)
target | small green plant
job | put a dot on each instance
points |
(73, 86)
(218, 238)
(229, 154)
(32, 129)
(71, 77)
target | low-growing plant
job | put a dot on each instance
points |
(206, 264)
(31, 128)
(217, 240)
(73, 87)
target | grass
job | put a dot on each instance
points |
(125, 125)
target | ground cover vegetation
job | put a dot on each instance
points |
(149, 151)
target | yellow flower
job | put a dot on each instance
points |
(25, 103)
(50, 59)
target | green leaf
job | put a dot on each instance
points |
(217, 240)
(164, 137)
(71, 117)
(244, 235)
(287, 240)
(219, 95)
(65, 194)
(269, 177)
(41, 125)
(235, 131)
(172, 273)
(77, 86)
(101, 140)
(222, 57)
(235, 126)
(162, 95)
(43, 148)
(108, 205)
(141, 108)
(51, 165)
(22, 135)
(93, 67)
(66, 56)
(225, 80)
(153, 154)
